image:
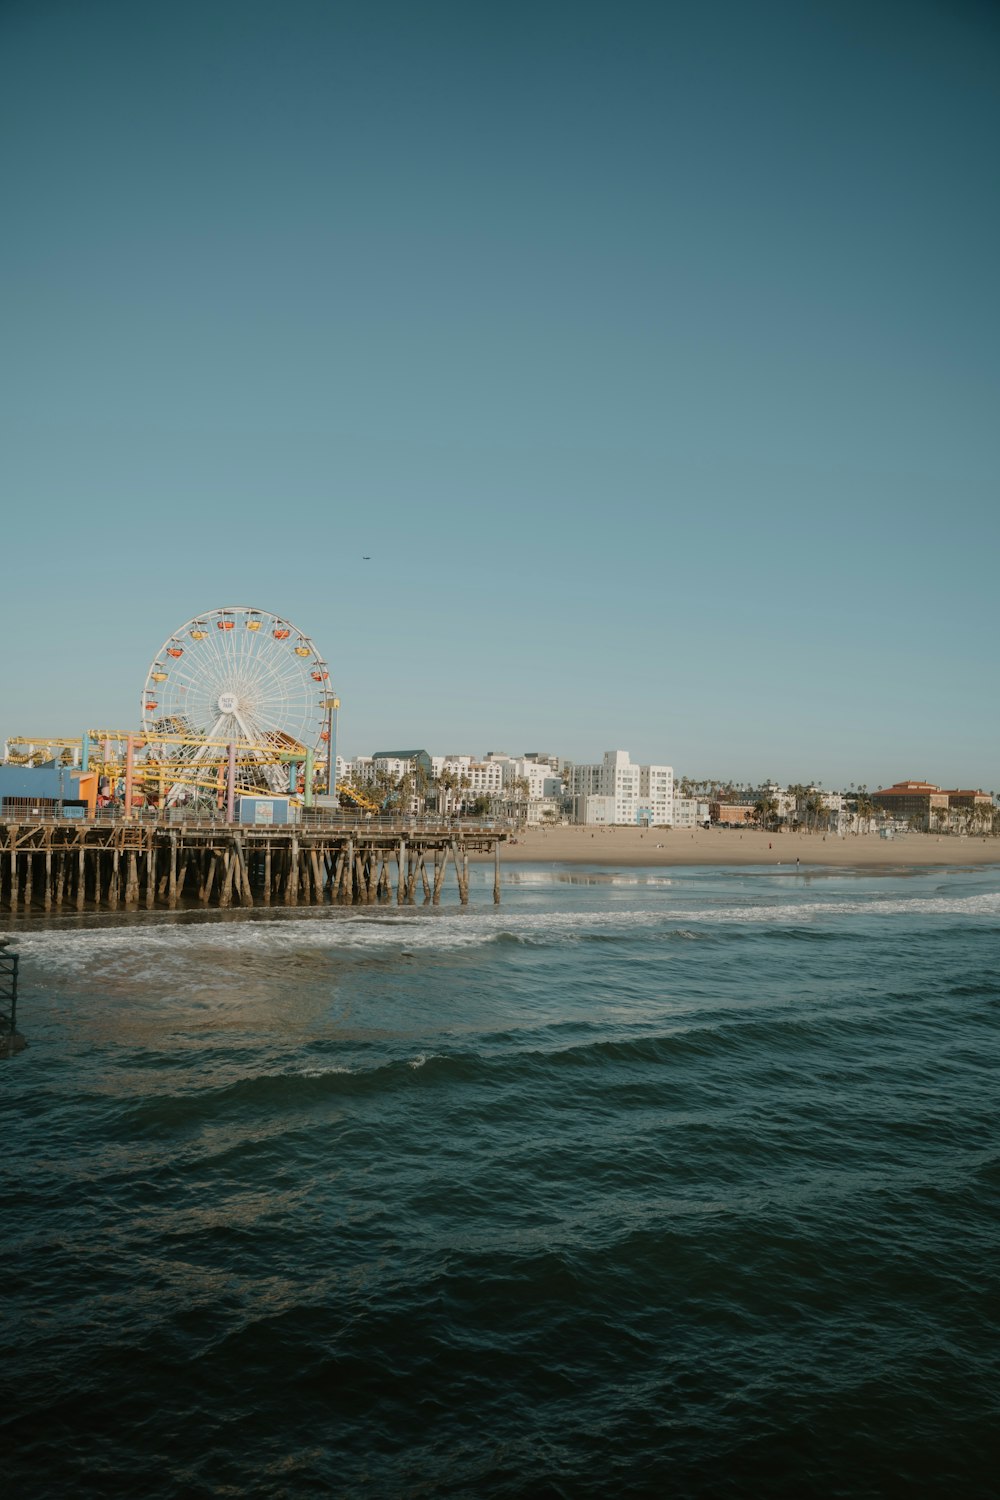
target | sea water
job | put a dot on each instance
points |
(674, 1182)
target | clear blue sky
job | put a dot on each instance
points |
(651, 351)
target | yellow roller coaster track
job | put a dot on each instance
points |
(108, 749)
(358, 798)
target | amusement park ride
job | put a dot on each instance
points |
(236, 700)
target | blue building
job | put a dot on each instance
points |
(38, 789)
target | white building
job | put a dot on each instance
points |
(830, 809)
(656, 795)
(690, 812)
(616, 791)
(479, 778)
(543, 778)
(532, 787)
(391, 767)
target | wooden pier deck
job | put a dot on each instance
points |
(52, 866)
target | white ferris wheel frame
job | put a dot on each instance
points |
(252, 681)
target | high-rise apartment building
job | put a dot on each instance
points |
(616, 791)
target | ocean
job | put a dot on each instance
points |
(672, 1183)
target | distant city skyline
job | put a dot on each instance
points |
(629, 382)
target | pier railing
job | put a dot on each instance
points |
(306, 819)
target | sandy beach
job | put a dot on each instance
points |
(729, 846)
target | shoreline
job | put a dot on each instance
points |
(630, 847)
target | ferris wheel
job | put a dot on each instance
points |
(237, 677)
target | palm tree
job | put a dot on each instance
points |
(448, 782)
(799, 792)
(765, 811)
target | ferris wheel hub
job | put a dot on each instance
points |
(228, 703)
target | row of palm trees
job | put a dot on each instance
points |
(980, 818)
(450, 793)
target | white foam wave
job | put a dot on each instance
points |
(143, 949)
(984, 905)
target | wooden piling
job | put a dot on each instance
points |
(439, 874)
(246, 894)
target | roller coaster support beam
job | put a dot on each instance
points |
(332, 705)
(230, 782)
(129, 774)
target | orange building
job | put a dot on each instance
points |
(731, 814)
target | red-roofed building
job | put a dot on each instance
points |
(922, 800)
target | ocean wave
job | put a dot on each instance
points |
(139, 951)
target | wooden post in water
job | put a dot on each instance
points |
(132, 881)
(439, 873)
(226, 893)
(205, 889)
(457, 858)
(246, 894)
(496, 873)
(292, 888)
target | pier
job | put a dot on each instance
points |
(54, 866)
